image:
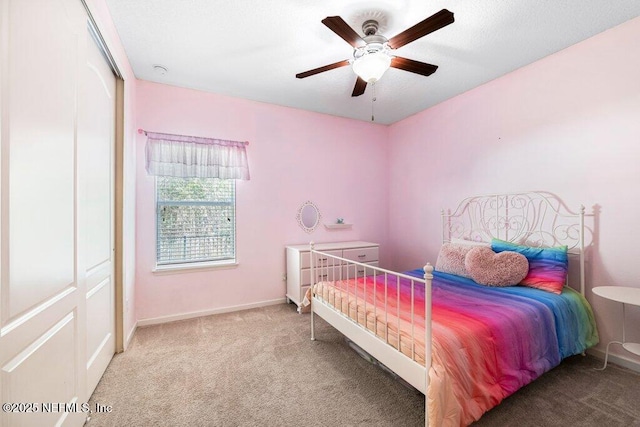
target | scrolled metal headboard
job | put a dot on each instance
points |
(533, 218)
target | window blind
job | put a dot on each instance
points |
(195, 220)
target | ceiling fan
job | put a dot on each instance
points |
(373, 53)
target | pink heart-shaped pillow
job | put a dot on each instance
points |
(496, 269)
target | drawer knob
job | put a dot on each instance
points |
(362, 256)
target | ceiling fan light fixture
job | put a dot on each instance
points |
(371, 66)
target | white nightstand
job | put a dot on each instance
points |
(299, 262)
(624, 295)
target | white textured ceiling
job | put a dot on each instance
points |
(253, 49)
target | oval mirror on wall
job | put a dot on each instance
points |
(308, 216)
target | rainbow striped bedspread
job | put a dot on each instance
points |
(487, 342)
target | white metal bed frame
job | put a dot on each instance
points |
(532, 218)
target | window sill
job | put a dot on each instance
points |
(187, 268)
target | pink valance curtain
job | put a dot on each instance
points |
(191, 156)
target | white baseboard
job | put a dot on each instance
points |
(193, 314)
(619, 360)
(132, 332)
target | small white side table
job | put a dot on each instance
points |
(624, 295)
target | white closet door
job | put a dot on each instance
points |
(56, 214)
(96, 154)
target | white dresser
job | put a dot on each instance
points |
(299, 263)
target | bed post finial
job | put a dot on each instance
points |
(428, 271)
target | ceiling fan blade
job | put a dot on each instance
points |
(341, 28)
(322, 69)
(359, 88)
(421, 29)
(413, 66)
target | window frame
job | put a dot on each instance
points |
(177, 267)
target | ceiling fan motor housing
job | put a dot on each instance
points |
(374, 44)
(370, 27)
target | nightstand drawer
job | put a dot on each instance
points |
(361, 254)
(350, 271)
(322, 274)
(305, 259)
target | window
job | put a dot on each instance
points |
(196, 220)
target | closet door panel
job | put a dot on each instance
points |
(96, 153)
(42, 301)
(43, 36)
(55, 382)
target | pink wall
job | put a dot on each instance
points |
(286, 146)
(568, 124)
(101, 15)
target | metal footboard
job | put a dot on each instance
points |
(343, 289)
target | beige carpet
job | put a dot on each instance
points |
(259, 368)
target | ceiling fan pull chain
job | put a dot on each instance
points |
(373, 99)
